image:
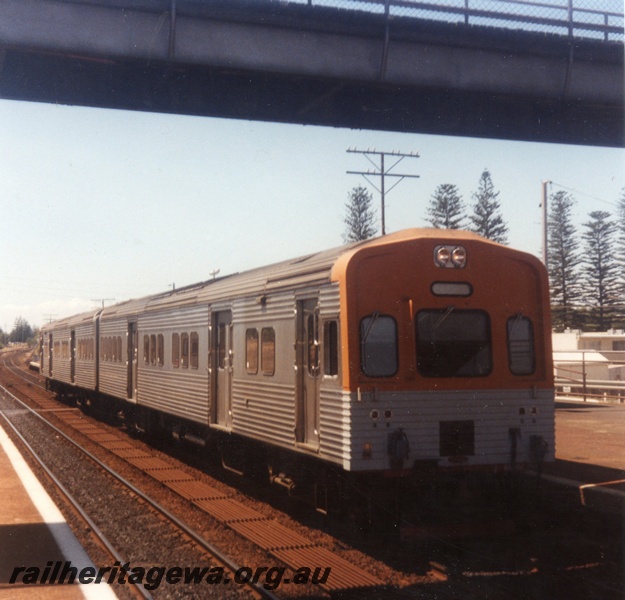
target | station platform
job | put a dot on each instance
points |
(36, 543)
(590, 453)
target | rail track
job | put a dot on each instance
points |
(556, 548)
(285, 545)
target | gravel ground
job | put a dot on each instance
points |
(551, 550)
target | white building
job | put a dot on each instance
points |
(593, 359)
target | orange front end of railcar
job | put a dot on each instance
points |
(446, 352)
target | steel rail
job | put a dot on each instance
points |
(197, 538)
(76, 507)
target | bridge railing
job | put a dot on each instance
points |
(597, 19)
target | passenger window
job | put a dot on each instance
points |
(268, 351)
(378, 345)
(184, 350)
(221, 346)
(160, 350)
(251, 351)
(194, 350)
(146, 349)
(175, 350)
(521, 346)
(313, 346)
(330, 348)
(153, 349)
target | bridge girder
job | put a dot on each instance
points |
(284, 63)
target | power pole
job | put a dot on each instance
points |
(381, 171)
(102, 300)
(545, 185)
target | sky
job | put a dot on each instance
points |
(99, 206)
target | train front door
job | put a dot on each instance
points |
(132, 361)
(222, 368)
(307, 357)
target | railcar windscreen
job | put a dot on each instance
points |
(453, 343)
(378, 345)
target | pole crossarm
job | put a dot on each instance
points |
(387, 174)
(382, 172)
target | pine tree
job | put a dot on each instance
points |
(446, 209)
(562, 259)
(486, 218)
(620, 226)
(21, 332)
(599, 269)
(359, 221)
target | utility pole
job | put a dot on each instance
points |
(102, 300)
(50, 316)
(381, 171)
(545, 185)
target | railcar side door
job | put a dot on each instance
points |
(50, 354)
(307, 367)
(72, 356)
(222, 368)
(132, 360)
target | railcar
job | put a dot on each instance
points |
(424, 348)
(68, 354)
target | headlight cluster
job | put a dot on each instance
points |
(450, 257)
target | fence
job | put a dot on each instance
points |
(598, 19)
(590, 375)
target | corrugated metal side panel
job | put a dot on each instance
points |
(175, 391)
(85, 368)
(264, 410)
(185, 318)
(334, 425)
(114, 327)
(182, 393)
(329, 300)
(61, 367)
(114, 375)
(278, 307)
(114, 379)
(85, 374)
(61, 370)
(419, 414)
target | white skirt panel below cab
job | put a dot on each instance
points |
(491, 427)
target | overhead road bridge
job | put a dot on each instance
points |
(549, 71)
